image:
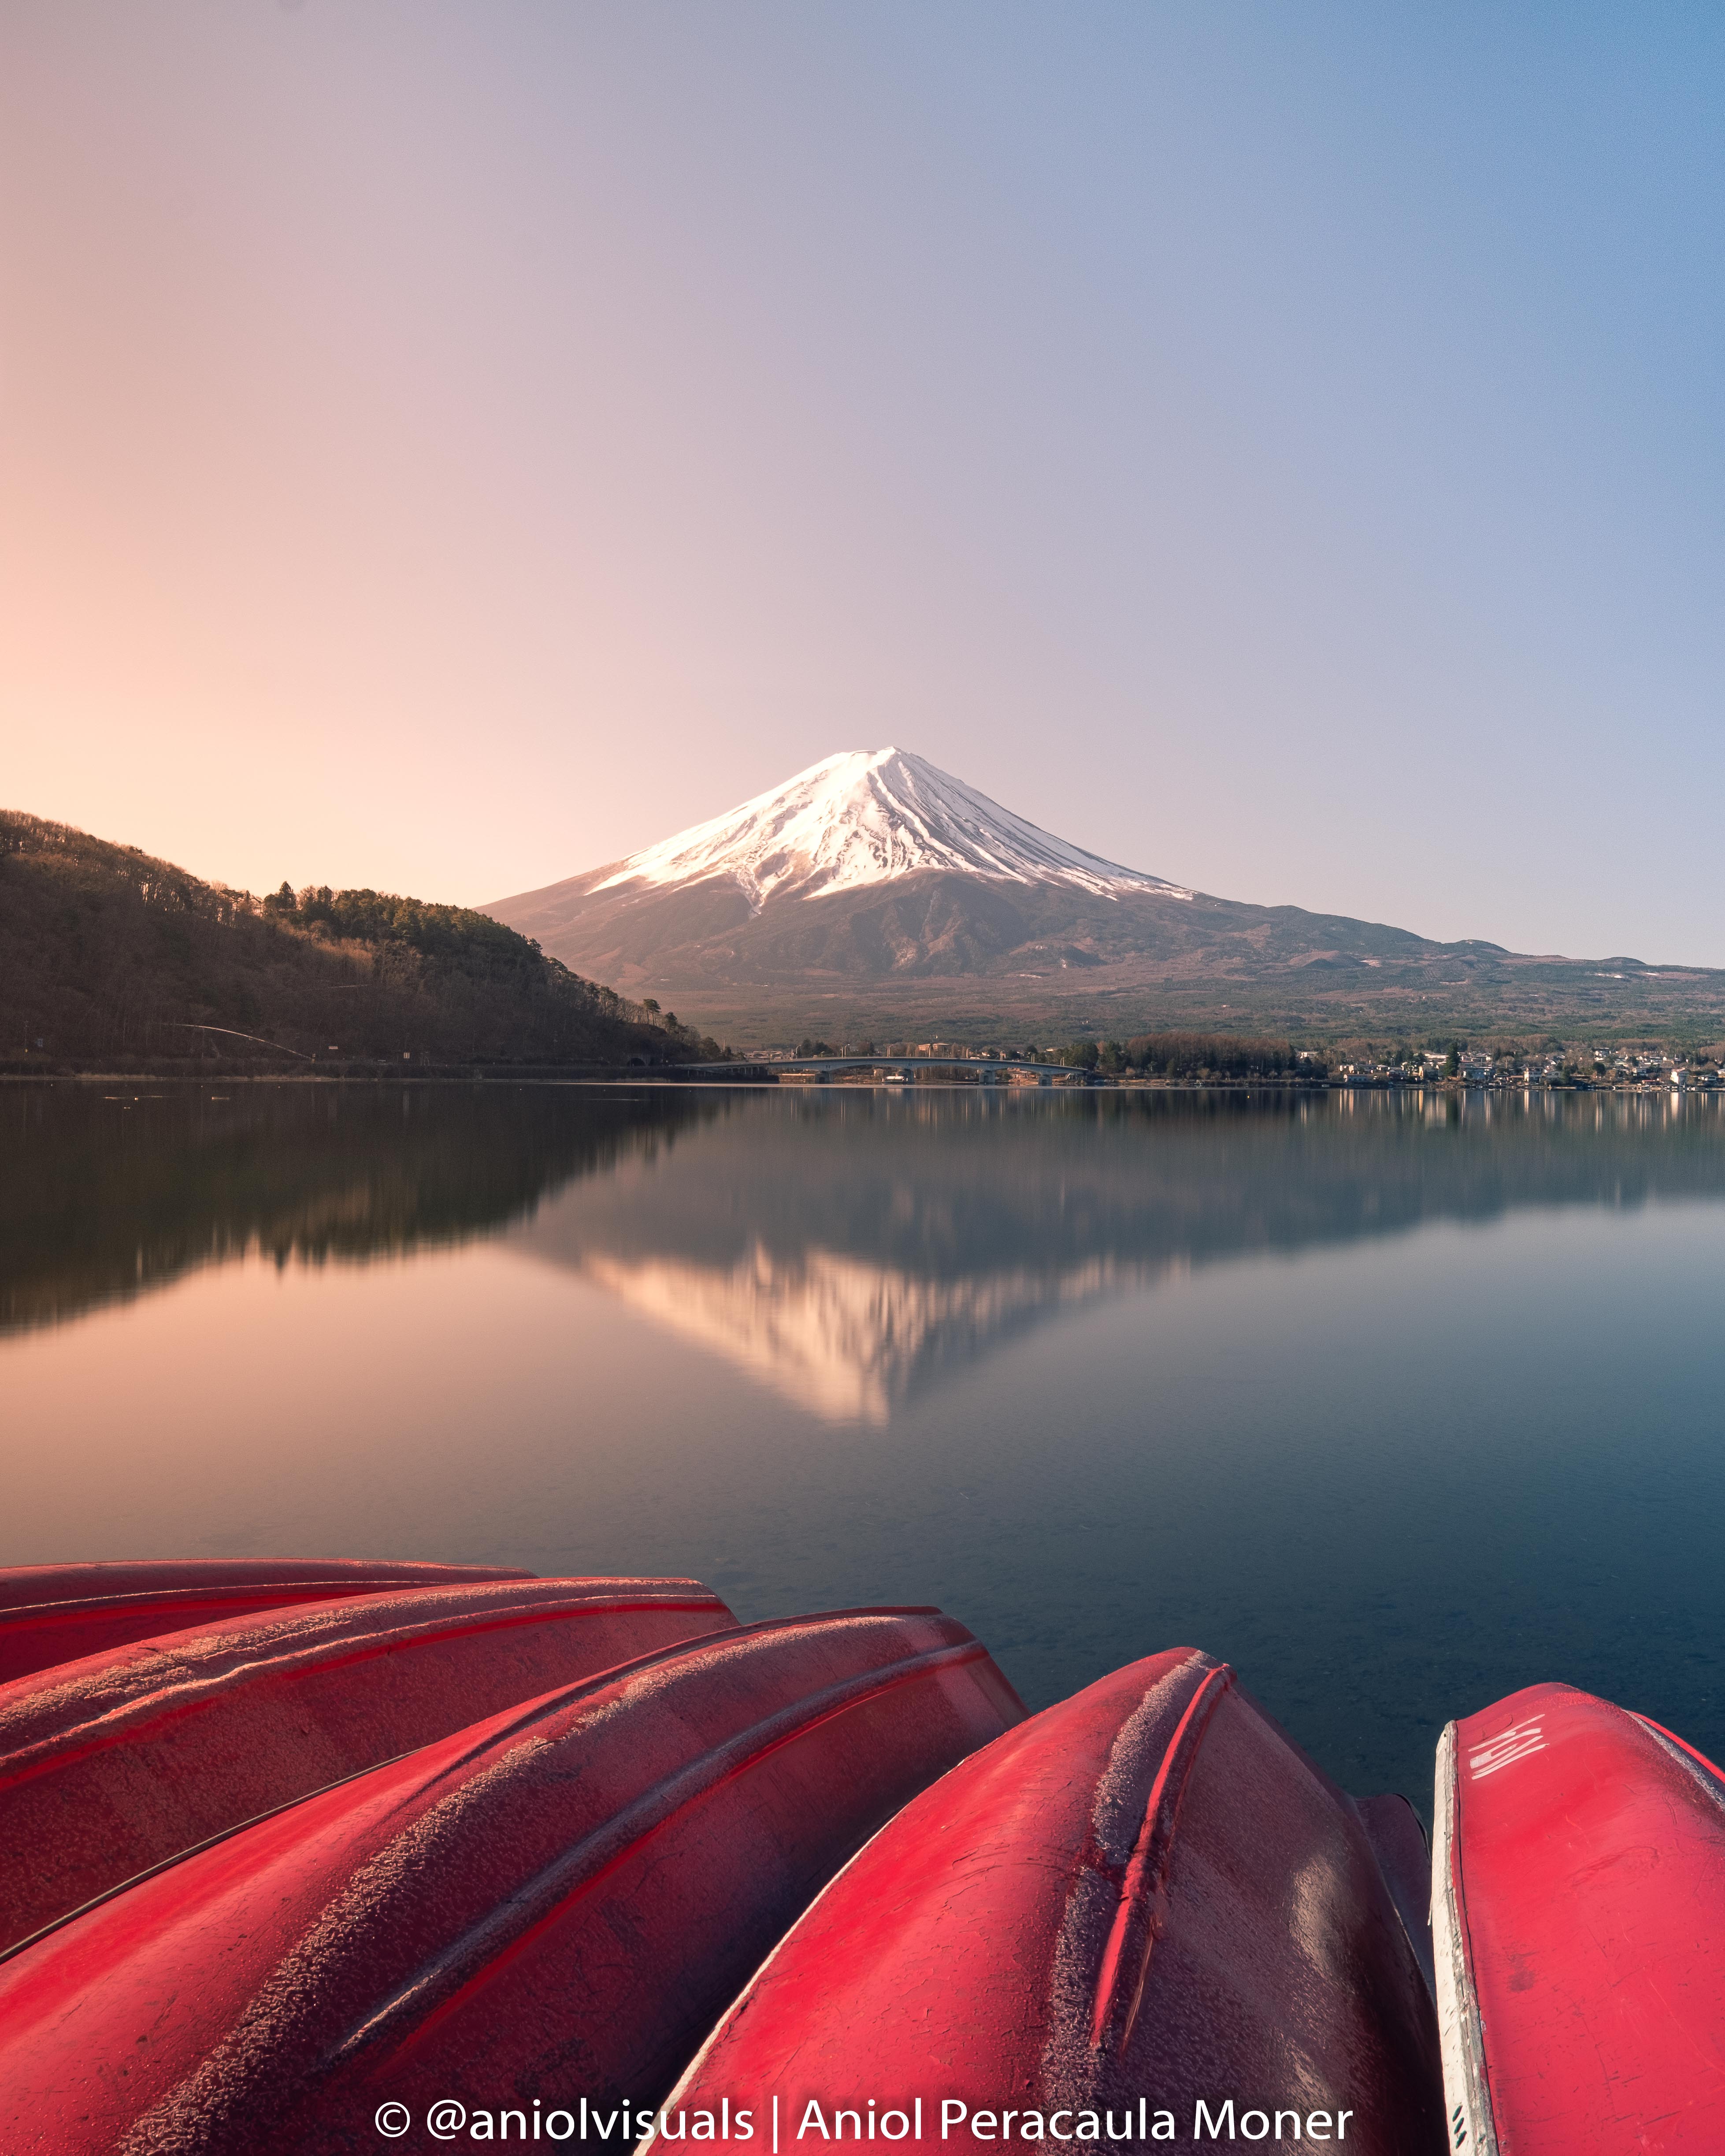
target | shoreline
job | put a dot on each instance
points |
(1061, 1079)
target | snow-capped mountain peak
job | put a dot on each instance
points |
(863, 817)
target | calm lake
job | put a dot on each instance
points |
(1397, 1402)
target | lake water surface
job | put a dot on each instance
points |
(1396, 1403)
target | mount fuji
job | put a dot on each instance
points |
(870, 816)
(874, 890)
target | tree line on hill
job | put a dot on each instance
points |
(1153, 1054)
(1192, 1055)
(108, 953)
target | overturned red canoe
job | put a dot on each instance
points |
(110, 1763)
(58, 1612)
(552, 1904)
(1580, 1907)
(1143, 1900)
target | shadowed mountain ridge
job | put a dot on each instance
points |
(105, 950)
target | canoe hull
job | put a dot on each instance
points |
(554, 1904)
(1580, 1912)
(110, 1764)
(1145, 1892)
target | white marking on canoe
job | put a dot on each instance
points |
(1504, 1749)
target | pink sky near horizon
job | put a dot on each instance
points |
(444, 447)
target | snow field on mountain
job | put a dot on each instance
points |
(865, 816)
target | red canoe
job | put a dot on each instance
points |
(1144, 1901)
(58, 1612)
(552, 1904)
(111, 1763)
(1579, 1908)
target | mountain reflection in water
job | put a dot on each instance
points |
(850, 1250)
(842, 1338)
(847, 1248)
(1397, 1404)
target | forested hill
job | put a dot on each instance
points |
(106, 952)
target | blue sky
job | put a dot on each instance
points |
(450, 445)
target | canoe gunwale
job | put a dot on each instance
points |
(1697, 1764)
(1467, 2097)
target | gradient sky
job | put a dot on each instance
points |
(445, 445)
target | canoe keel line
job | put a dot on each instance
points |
(298, 1851)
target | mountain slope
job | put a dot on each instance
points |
(105, 952)
(888, 894)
